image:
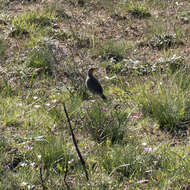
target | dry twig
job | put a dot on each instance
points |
(75, 143)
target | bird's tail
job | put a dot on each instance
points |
(103, 97)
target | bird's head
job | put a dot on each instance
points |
(91, 70)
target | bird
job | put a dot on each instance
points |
(93, 85)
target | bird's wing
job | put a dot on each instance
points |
(94, 86)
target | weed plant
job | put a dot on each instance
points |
(40, 57)
(111, 49)
(32, 24)
(165, 102)
(138, 9)
(104, 123)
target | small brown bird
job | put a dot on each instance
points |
(93, 84)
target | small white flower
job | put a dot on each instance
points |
(37, 106)
(110, 78)
(28, 147)
(56, 44)
(112, 60)
(155, 162)
(125, 60)
(144, 143)
(48, 104)
(30, 186)
(53, 127)
(136, 62)
(23, 164)
(19, 104)
(70, 161)
(32, 164)
(39, 156)
(148, 149)
(23, 183)
(35, 97)
(174, 57)
(161, 59)
(54, 101)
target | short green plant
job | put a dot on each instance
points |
(183, 78)
(128, 162)
(137, 9)
(111, 49)
(8, 107)
(132, 162)
(166, 103)
(40, 57)
(31, 23)
(53, 152)
(103, 124)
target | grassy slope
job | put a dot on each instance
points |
(139, 138)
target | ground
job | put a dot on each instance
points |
(138, 138)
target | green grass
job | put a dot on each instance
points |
(111, 49)
(40, 57)
(166, 102)
(103, 124)
(133, 163)
(138, 138)
(138, 9)
(33, 25)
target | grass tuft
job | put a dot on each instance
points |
(166, 103)
(32, 24)
(103, 123)
(138, 9)
(40, 57)
(52, 152)
(111, 49)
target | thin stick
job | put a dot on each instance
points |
(75, 142)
